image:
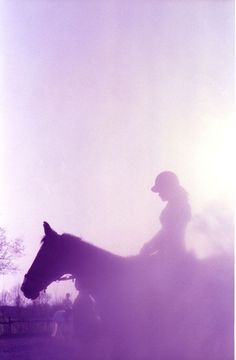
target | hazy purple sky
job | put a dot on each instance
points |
(100, 96)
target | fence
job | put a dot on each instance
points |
(10, 326)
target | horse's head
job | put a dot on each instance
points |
(48, 266)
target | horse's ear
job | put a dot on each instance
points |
(48, 230)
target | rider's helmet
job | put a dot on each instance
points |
(165, 180)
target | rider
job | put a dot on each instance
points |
(67, 305)
(174, 218)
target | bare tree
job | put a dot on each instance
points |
(9, 252)
(16, 296)
(43, 298)
(5, 298)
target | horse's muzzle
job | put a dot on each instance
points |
(29, 290)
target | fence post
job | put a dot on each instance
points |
(10, 322)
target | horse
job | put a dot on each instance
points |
(148, 309)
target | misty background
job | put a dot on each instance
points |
(98, 97)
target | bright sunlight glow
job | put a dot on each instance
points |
(214, 160)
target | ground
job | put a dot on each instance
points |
(38, 348)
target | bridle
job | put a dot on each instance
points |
(36, 279)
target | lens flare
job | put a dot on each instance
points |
(214, 161)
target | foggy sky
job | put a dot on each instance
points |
(98, 98)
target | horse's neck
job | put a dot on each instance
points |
(91, 264)
(83, 256)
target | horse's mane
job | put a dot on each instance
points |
(85, 244)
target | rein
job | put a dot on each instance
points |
(37, 279)
(66, 277)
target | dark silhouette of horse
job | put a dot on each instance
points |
(147, 312)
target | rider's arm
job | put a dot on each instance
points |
(153, 244)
